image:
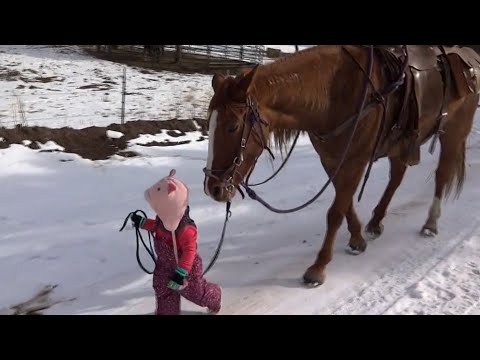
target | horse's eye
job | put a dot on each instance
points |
(233, 129)
(158, 189)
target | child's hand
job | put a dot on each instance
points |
(138, 220)
(178, 280)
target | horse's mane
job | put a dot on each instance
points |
(302, 82)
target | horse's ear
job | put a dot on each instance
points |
(217, 81)
(246, 80)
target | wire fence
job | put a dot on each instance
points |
(247, 53)
(244, 53)
(127, 100)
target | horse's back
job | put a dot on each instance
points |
(439, 75)
(465, 63)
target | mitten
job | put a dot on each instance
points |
(138, 220)
(178, 280)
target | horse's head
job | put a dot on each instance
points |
(237, 135)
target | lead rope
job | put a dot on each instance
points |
(228, 214)
(139, 238)
(151, 252)
(219, 247)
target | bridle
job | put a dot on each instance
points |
(252, 118)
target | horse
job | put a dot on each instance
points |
(357, 104)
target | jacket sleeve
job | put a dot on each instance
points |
(149, 225)
(187, 243)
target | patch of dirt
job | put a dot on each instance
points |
(166, 143)
(175, 134)
(48, 79)
(9, 75)
(92, 142)
(102, 87)
(39, 302)
(14, 75)
(127, 153)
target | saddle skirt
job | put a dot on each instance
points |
(434, 74)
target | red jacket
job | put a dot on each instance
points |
(186, 241)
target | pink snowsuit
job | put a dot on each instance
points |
(198, 290)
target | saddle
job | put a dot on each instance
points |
(434, 72)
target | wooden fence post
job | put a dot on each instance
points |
(124, 91)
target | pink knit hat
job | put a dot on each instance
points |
(169, 199)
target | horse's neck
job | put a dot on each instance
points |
(316, 92)
(298, 99)
(283, 111)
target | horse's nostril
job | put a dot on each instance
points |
(216, 190)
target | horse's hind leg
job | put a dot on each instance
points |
(451, 166)
(397, 172)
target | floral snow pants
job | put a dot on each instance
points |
(198, 290)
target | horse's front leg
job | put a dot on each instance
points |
(345, 183)
(357, 243)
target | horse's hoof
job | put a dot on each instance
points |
(355, 250)
(313, 278)
(311, 285)
(374, 232)
(427, 232)
(356, 246)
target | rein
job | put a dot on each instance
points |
(253, 117)
(356, 120)
(138, 234)
(151, 252)
(378, 98)
(228, 215)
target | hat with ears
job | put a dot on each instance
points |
(169, 199)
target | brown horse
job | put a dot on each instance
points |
(357, 104)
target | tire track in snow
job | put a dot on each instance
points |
(423, 281)
(451, 287)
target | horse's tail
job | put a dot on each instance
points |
(458, 175)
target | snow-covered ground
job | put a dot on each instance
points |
(60, 86)
(61, 215)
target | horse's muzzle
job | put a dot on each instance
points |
(218, 190)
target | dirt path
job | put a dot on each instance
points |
(94, 144)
